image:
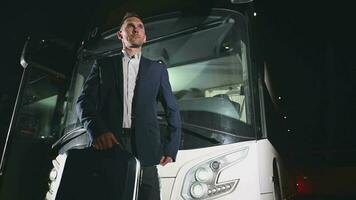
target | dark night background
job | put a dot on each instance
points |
(308, 47)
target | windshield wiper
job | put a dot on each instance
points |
(202, 136)
(216, 131)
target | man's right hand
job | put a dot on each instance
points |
(105, 141)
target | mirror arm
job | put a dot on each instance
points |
(23, 60)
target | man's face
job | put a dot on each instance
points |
(132, 33)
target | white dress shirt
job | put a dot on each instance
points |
(130, 66)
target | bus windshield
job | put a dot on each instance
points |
(208, 66)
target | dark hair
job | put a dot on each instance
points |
(128, 15)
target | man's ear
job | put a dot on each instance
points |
(119, 34)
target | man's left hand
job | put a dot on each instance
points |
(165, 159)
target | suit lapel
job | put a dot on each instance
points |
(142, 69)
(143, 66)
(118, 74)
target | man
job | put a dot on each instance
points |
(118, 106)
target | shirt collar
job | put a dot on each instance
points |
(136, 56)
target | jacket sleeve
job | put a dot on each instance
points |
(172, 141)
(88, 102)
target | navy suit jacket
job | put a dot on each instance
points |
(100, 107)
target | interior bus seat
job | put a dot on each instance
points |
(236, 105)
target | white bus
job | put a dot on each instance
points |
(228, 142)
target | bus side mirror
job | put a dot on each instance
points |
(54, 53)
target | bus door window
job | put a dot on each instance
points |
(40, 113)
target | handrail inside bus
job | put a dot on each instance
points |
(183, 32)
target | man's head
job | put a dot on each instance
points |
(132, 31)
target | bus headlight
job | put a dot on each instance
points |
(201, 181)
(53, 174)
(204, 174)
(198, 190)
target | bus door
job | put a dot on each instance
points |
(35, 125)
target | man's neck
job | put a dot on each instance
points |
(132, 51)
